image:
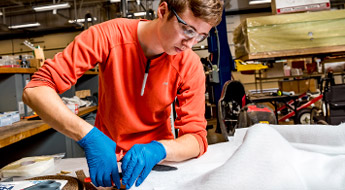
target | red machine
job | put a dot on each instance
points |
(303, 110)
(232, 107)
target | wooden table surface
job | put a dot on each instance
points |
(27, 128)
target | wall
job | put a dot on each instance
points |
(51, 44)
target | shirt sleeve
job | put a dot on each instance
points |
(83, 53)
(190, 106)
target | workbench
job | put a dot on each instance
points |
(26, 128)
(4, 70)
(260, 157)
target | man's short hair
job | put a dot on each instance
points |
(208, 10)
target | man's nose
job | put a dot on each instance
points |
(189, 42)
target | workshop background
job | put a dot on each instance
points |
(283, 57)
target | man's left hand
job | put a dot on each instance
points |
(139, 161)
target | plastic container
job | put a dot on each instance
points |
(287, 70)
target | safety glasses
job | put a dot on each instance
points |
(188, 31)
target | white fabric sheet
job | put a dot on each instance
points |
(262, 157)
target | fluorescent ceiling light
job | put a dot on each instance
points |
(118, 1)
(81, 20)
(0, 13)
(256, 2)
(24, 25)
(139, 14)
(52, 7)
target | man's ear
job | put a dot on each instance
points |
(162, 10)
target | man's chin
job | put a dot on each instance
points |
(174, 51)
(171, 52)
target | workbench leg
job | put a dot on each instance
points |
(260, 81)
(275, 110)
(256, 84)
(295, 110)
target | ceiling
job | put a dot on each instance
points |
(16, 12)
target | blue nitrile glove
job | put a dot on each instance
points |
(101, 158)
(139, 161)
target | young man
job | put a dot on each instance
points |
(143, 65)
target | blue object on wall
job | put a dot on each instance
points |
(212, 42)
(226, 63)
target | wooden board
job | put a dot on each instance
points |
(293, 53)
(292, 76)
(17, 70)
(20, 130)
(86, 110)
(24, 129)
(4, 70)
(91, 72)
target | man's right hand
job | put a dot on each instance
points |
(101, 158)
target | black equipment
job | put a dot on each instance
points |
(234, 113)
(256, 113)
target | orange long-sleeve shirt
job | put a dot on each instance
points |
(123, 114)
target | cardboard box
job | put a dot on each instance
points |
(39, 54)
(288, 6)
(288, 85)
(307, 85)
(39, 58)
(276, 71)
(35, 63)
(298, 86)
(83, 93)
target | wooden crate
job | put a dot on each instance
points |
(291, 34)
